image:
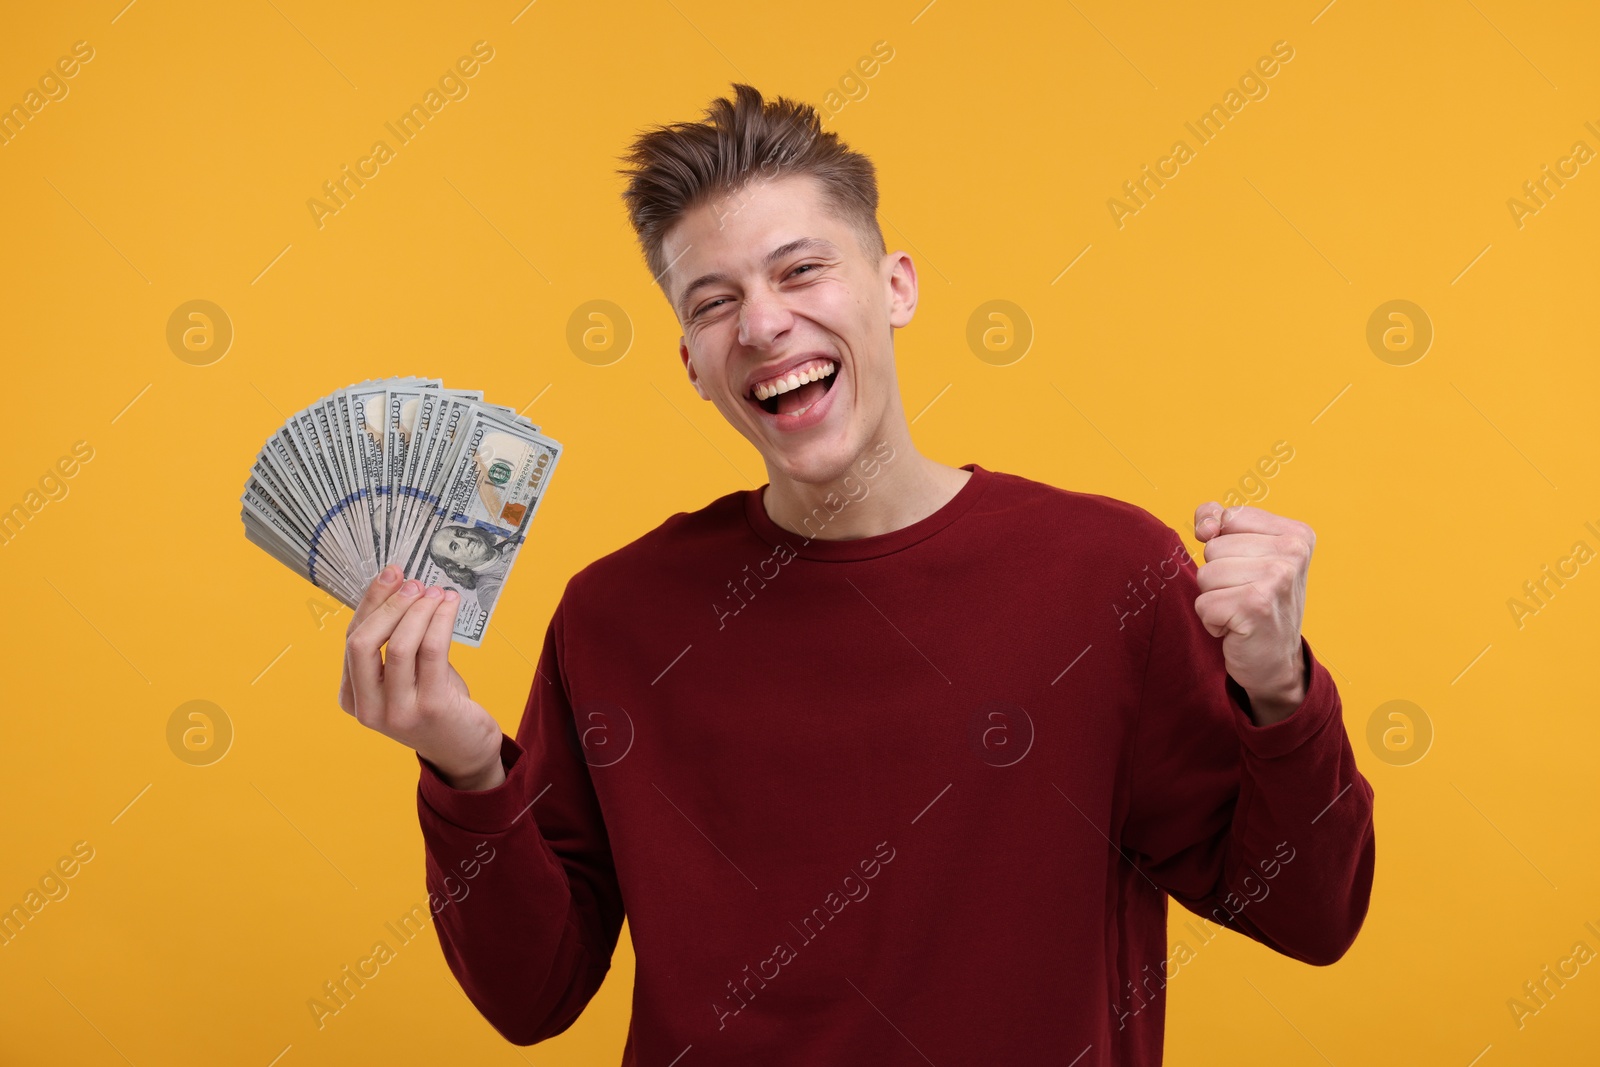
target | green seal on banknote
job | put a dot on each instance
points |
(499, 472)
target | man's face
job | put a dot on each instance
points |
(821, 302)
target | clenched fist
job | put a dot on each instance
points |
(408, 690)
(1253, 596)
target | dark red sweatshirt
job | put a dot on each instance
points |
(918, 797)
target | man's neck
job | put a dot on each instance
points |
(906, 488)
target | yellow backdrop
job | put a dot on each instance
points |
(1362, 296)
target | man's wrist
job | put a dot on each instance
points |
(486, 777)
(1275, 706)
(1266, 711)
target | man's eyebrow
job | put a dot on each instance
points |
(813, 244)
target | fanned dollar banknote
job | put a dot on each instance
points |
(404, 471)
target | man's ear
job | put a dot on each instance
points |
(694, 376)
(901, 282)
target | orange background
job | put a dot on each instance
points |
(1167, 356)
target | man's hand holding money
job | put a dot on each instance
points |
(408, 690)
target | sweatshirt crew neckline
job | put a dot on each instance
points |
(859, 548)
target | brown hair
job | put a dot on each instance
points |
(679, 167)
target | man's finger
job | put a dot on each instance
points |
(1207, 520)
(400, 657)
(1243, 544)
(1237, 571)
(1243, 518)
(1220, 610)
(433, 657)
(378, 591)
(361, 647)
(381, 619)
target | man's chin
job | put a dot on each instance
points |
(818, 463)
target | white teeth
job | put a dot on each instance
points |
(766, 391)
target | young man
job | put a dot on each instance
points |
(887, 762)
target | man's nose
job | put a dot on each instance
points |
(763, 318)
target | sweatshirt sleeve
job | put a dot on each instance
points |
(520, 877)
(1266, 830)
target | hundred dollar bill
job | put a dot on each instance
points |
(490, 493)
(401, 469)
(434, 447)
(400, 423)
(366, 405)
(284, 454)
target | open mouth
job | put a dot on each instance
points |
(793, 401)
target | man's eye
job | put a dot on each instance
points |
(714, 303)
